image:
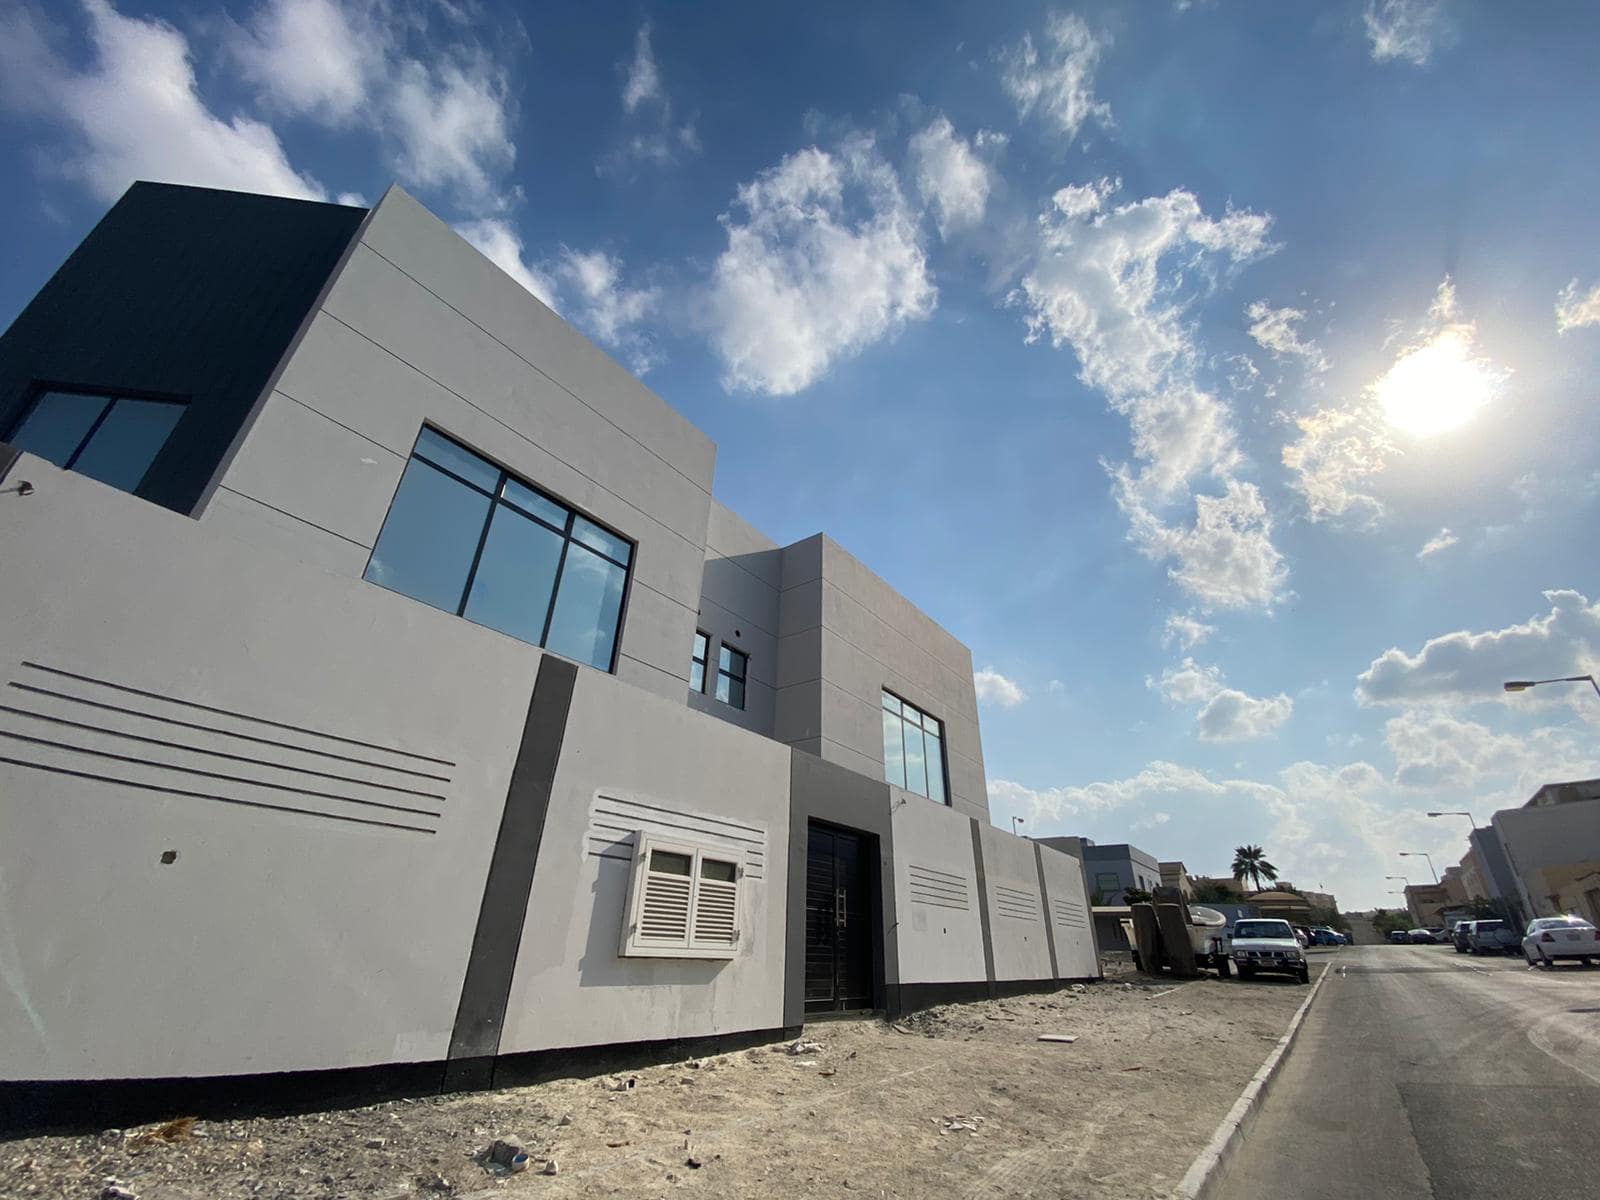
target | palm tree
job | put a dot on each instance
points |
(1252, 861)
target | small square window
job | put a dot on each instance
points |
(699, 658)
(732, 666)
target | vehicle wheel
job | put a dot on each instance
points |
(1529, 957)
(1305, 976)
(1545, 962)
(1225, 968)
(1247, 972)
(1461, 949)
(1588, 962)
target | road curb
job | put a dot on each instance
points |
(1200, 1180)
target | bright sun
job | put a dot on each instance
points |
(1436, 387)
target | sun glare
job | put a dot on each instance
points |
(1436, 387)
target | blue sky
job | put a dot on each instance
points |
(1220, 373)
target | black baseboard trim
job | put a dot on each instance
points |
(915, 996)
(89, 1105)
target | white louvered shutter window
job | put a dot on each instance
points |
(716, 905)
(683, 902)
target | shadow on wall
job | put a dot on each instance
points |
(602, 966)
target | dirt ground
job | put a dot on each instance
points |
(962, 1100)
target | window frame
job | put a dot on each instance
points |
(923, 716)
(497, 497)
(40, 388)
(700, 635)
(635, 945)
(743, 677)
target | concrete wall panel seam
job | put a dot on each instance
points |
(534, 366)
(983, 903)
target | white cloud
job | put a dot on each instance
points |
(949, 176)
(1436, 382)
(1157, 779)
(1470, 667)
(994, 688)
(1274, 329)
(607, 308)
(1436, 750)
(651, 133)
(1442, 540)
(453, 128)
(1226, 559)
(311, 57)
(1110, 282)
(1576, 309)
(1154, 821)
(824, 260)
(1410, 30)
(1059, 82)
(1225, 714)
(135, 111)
(502, 245)
(1339, 450)
(644, 78)
(1185, 632)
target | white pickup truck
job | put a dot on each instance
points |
(1268, 947)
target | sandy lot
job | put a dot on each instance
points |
(962, 1100)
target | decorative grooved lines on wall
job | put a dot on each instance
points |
(940, 889)
(104, 732)
(1018, 903)
(615, 819)
(1069, 914)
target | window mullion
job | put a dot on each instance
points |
(555, 592)
(93, 429)
(477, 556)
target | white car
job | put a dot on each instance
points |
(1268, 947)
(1551, 938)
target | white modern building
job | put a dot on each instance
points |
(388, 700)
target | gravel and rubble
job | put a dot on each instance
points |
(959, 1100)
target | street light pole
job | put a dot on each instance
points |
(1458, 813)
(1015, 821)
(1401, 878)
(1522, 685)
(1423, 854)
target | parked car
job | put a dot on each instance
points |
(1458, 935)
(1439, 934)
(1268, 947)
(1302, 934)
(1550, 939)
(1421, 937)
(1327, 937)
(1399, 935)
(1491, 937)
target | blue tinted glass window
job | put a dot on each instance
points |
(894, 755)
(516, 576)
(732, 667)
(430, 537)
(588, 604)
(536, 503)
(698, 659)
(935, 761)
(462, 535)
(608, 544)
(127, 442)
(58, 424)
(457, 459)
(913, 749)
(110, 438)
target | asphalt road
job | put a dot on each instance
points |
(1423, 1072)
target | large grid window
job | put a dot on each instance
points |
(913, 748)
(732, 666)
(471, 539)
(699, 657)
(110, 438)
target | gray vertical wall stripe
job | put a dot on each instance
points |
(487, 986)
(8, 459)
(983, 902)
(1049, 919)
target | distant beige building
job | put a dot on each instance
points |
(1173, 875)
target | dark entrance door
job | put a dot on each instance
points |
(838, 920)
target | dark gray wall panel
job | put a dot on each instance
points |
(484, 993)
(178, 292)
